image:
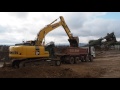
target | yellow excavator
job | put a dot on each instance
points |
(33, 51)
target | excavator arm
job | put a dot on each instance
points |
(74, 41)
(41, 35)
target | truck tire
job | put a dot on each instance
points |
(71, 60)
(58, 63)
(91, 58)
(76, 60)
(87, 59)
(82, 59)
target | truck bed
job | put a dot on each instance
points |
(71, 51)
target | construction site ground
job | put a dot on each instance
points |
(105, 65)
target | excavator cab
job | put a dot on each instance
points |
(50, 48)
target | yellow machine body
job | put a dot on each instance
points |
(22, 52)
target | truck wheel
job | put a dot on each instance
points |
(58, 63)
(77, 60)
(71, 61)
(87, 59)
(82, 59)
(91, 58)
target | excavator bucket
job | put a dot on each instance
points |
(74, 42)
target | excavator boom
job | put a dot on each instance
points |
(41, 35)
(74, 41)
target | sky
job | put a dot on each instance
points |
(16, 27)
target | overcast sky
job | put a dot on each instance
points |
(18, 26)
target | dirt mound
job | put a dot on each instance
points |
(38, 72)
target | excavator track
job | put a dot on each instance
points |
(35, 62)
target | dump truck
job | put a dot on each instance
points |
(74, 55)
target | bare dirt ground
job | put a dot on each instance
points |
(105, 65)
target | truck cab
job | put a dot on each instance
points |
(92, 50)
